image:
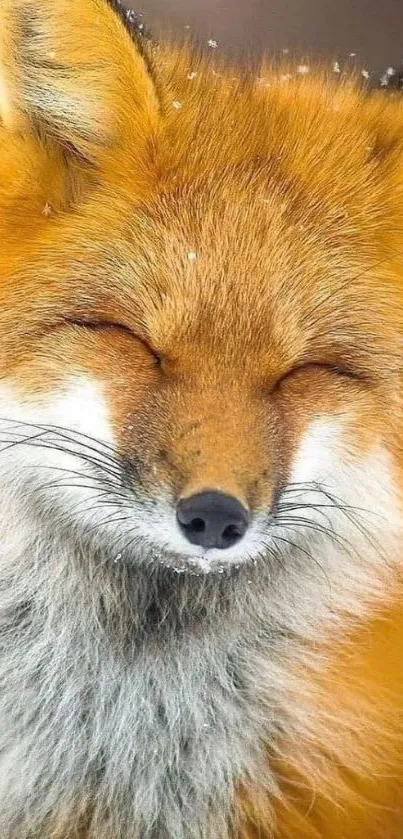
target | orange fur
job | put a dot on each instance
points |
(266, 181)
(343, 777)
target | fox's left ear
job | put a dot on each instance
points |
(70, 70)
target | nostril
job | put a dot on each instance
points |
(212, 519)
(232, 534)
(198, 525)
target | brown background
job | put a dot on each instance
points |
(333, 28)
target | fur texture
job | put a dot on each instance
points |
(200, 289)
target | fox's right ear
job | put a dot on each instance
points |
(70, 70)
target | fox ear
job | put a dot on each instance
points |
(70, 70)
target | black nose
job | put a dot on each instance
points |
(212, 519)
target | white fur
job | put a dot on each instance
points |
(148, 693)
(81, 407)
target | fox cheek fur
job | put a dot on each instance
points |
(201, 425)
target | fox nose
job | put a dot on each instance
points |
(212, 519)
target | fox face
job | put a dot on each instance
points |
(214, 317)
(160, 388)
(201, 316)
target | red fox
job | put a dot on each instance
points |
(201, 442)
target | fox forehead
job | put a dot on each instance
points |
(227, 278)
(219, 229)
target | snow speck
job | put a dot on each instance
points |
(177, 105)
(303, 69)
(352, 54)
(389, 72)
(212, 43)
(117, 557)
(365, 74)
(47, 210)
(192, 75)
(336, 67)
(285, 51)
(192, 256)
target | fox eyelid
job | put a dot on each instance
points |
(340, 370)
(99, 325)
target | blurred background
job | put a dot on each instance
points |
(334, 29)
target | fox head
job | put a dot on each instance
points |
(201, 305)
(201, 336)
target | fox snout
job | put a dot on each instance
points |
(212, 519)
(218, 467)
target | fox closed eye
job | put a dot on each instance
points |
(95, 325)
(338, 370)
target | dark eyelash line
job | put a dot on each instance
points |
(99, 325)
(95, 325)
(339, 370)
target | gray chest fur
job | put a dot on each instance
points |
(113, 709)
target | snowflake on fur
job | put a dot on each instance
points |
(132, 20)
